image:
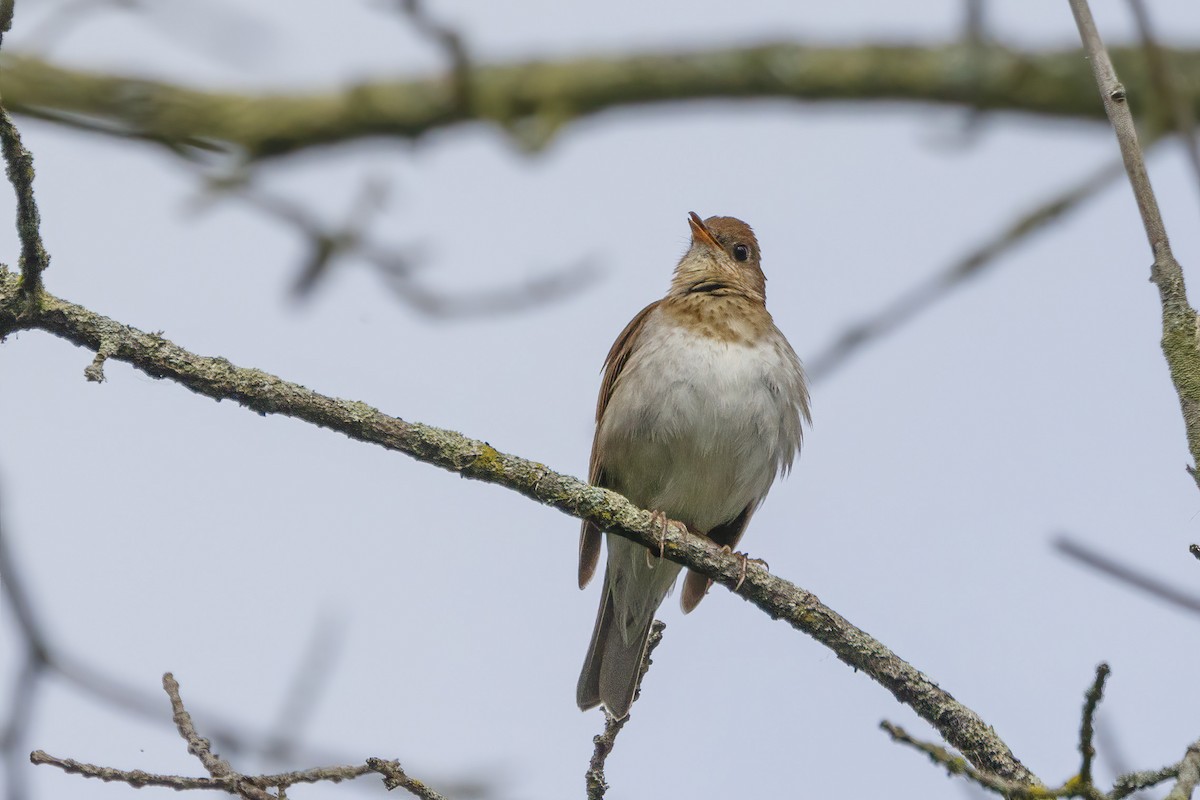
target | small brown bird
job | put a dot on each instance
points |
(699, 410)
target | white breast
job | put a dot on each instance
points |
(699, 427)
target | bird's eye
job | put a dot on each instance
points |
(741, 252)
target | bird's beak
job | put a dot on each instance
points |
(700, 233)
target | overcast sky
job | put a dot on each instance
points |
(161, 531)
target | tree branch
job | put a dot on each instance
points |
(222, 775)
(1181, 338)
(534, 100)
(603, 743)
(1189, 775)
(268, 394)
(1087, 731)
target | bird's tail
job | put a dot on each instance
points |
(635, 583)
(613, 664)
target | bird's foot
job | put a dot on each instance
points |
(745, 560)
(660, 518)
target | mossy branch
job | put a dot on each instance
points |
(1180, 324)
(534, 100)
(471, 458)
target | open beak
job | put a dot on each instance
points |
(700, 233)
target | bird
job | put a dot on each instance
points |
(702, 405)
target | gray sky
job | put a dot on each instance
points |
(162, 531)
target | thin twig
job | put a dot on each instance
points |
(394, 777)
(198, 746)
(1087, 749)
(18, 166)
(1132, 782)
(604, 742)
(136, 778)
(1181, 339)
(222, 776)
(957, 765)
(201, 748)
(233, 784)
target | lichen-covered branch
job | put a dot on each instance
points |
(222, 775)
(1188, 775)
(471, 458)
(533, 100)
(1181, 336)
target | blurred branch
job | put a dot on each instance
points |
(451, 43)
(603, 743)
(1176, 105)
(267, 394)
(42, 659)
(300, 701)
(327, 245)
(1115, 569)
(937, 287)
(1181, 333)
(534, 100)
(222, 775)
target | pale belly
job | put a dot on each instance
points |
(698, 428)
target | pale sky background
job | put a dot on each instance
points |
(161, 531)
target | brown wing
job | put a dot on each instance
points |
(695, 585)
(589, 534)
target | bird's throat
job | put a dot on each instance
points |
(725, 315)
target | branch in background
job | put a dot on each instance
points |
(223, 777)
(1181, 335)
(921, 297)
(470, 458)
(1176, 105)
(327, 245)
(451, 43)
(535, 100)
(306, 687)
(604, 742)
(43, 660)
(1115, 569)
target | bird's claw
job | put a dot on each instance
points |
(661, 519)
(745, 558)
